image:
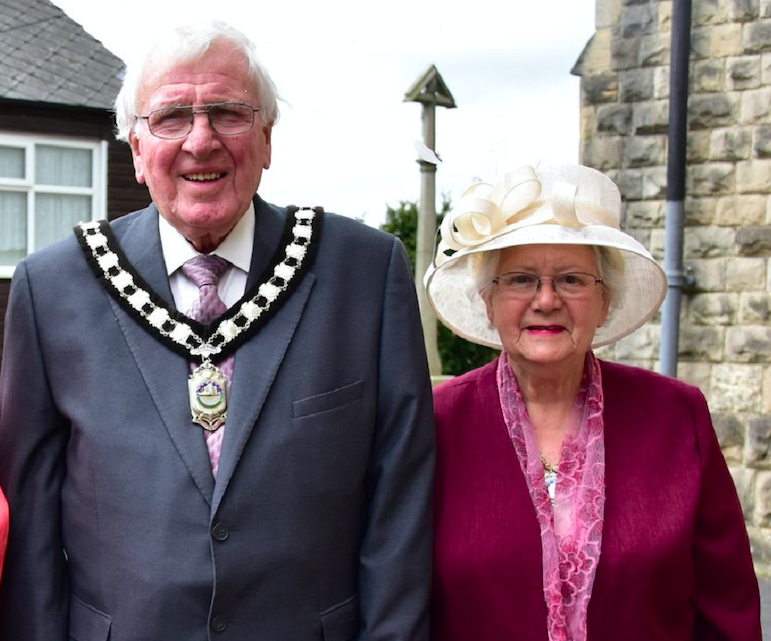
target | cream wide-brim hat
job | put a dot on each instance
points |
(545, 205)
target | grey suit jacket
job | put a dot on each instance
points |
(318, 526)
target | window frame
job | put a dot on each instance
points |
(97, 192)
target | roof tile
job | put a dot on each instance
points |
(45, 56)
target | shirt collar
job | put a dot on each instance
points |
(235, 248)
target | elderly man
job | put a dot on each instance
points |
(215, 413)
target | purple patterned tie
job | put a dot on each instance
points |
(205, 272)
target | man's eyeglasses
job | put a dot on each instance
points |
(226, 118)
(526, 285)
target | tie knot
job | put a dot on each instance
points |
(205, 269)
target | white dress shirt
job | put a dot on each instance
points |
(236, 248)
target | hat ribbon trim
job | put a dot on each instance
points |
(485, 211)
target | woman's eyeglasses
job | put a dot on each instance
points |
(526, 285)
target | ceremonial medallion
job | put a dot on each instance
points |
(207, 386)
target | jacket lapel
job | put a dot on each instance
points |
(257, 361)
(164, 372)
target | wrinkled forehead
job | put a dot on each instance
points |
(221, 68)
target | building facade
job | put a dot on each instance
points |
(725, 320)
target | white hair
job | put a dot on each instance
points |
(185, 44)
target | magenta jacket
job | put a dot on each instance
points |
(675, 562)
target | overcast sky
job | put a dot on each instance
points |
(345, 139)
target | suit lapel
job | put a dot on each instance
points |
(164, 372)
(257, 361)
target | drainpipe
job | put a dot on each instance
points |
(677, 279)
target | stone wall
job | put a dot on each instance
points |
(725, 328)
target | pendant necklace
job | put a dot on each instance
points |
(550, 478)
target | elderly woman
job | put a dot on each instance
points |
(575, 498)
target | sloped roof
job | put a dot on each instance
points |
(45, 56)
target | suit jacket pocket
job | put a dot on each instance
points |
(341, 622)
(87, 623)
(329, 400)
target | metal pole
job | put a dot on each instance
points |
(676, 165)
(425, 239)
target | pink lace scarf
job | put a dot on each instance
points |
(571, 530)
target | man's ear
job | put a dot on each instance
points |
(136, 154)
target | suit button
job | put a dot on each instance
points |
(219, 623)
(220, 532)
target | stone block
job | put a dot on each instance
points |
(745, 274)
(655, 243)
(606, 13)
(757, 36)
(698, 374)
(639, 20)
(730, 143)
(730, 434)
(742, 72)
(644, 151)
(665, 16)
(655, 49)
(743, 10)
(766, 401)
(624, 53)
(602, 152)
(599, 88)
(596, 55)
(700, 43)
(753, 176)
(588, 123)
(765, 69)
(654, 183)
(641, 344)
(741, 210)
(762, 513)
(697, 146)
(711, 179)
(700, 211)
(748, 344)
(708, 12)
(644, 213)
(755, 309)
(758, 446)
(708, 242)
(726, 40)
(606, 352)
(753, 241)
(614, 119)
(635, 85)
(713, 309)
(650, 117)
(761, 141)
(711, 111)
(701, 344)
(735, 388)
(708, 76)
(708, 274)
(745, 487)
(661, 82)
(630, 183)
(755, 106)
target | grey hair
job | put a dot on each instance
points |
(482, 268)
(185, 44)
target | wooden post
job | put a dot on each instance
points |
(429, 90)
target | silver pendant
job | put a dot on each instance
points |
(207, 387)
